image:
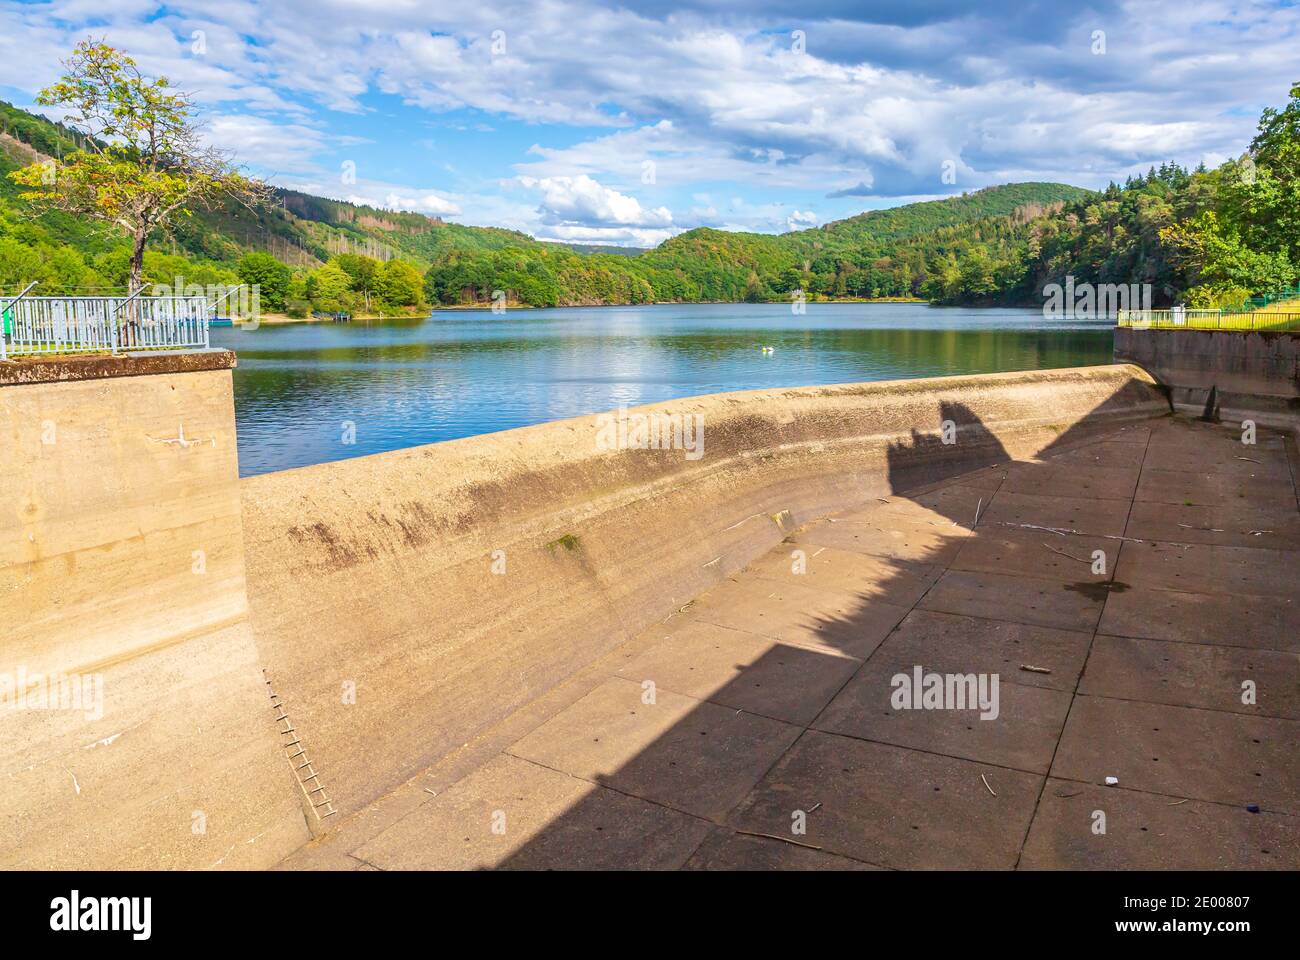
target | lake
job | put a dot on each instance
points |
(298, 387)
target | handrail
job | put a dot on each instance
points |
(53, 325)
(1186, 319)
(4, 350)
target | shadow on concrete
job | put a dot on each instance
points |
(804, 726)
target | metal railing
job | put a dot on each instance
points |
(1277, 296)
(52, 325)
(1180, 319)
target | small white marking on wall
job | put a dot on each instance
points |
(183, 441)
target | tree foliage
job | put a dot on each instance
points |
(141, 160)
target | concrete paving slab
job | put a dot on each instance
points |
(727, 850)
(1102, 455)
(1199, 487)
(958, 501)
(1207, 568)
(1234, 620)
(1234, 460)
(1066, 606)
(741, 670)
(1256, 526)
(1152, 832)
(333, 850)
(986, 478)
(1183, 752)
(1190, 675)
(1020, 731)
(1037, 553)
(828, 620)
(939, 506)
(893, 806)
(514, 814)
(1096, 517)
(1133, 433)
(955, 644)
(827, 568)
(1050, 479)
(936, 541)
(697, 757)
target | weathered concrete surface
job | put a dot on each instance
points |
(1254, 374)
(59, 369)
(701, 741)
(375, 575)
(121, 564)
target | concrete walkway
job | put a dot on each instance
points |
(1123, 648)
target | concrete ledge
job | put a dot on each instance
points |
(405, 602)
(55, 369)
(1252, 373)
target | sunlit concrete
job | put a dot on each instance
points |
(1134, 594)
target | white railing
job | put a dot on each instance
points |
(49, 325)
(1173, 317)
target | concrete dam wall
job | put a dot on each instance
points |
(397, 605)
(135, 727)
(404, 603)
(1253, 374)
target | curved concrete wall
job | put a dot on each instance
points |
(387, 621)
(122, 572)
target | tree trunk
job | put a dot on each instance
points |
(131, 322)
(137, 262)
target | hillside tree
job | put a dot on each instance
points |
(143, 161)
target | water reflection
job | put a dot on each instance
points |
(460, 374)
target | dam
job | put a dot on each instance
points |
(533, 649)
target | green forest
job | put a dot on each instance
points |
(1201, 237)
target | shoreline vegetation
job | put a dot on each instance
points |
(280, 319)
(515, 305)
(1203, 238)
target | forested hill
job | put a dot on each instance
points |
(877, 254)
(1204, 237)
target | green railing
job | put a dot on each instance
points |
(1264, 299)
(1178, 319)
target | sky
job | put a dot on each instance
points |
(628, 123)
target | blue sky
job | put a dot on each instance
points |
(601, 123)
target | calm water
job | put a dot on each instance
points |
(457, 374)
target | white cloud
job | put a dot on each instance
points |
(582, 201)
(877, 104)
(800, 220)
(279, 147)
(430, 203)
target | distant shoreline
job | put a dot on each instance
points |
(279, 319)
(675, 303)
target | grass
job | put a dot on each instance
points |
(568, 542)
